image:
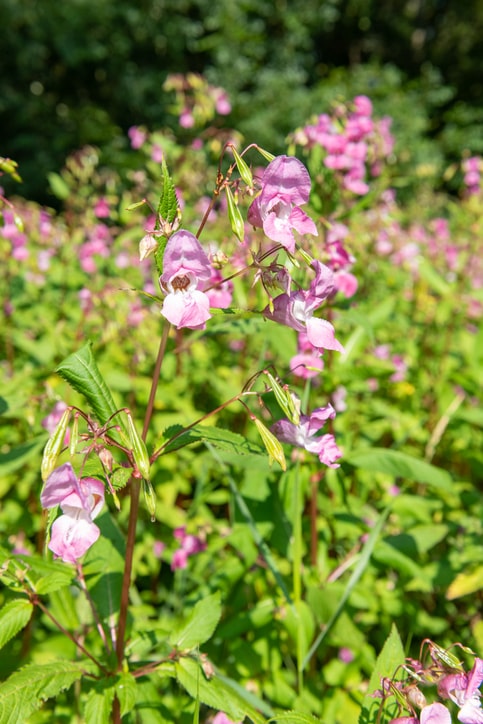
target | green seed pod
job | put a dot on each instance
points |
(139, 450)
(234, 214)
(284, 399)
(242, 167)
(149, 498)
(54, 445)
(272, 445)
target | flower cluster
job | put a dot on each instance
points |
(454, 684)
(472, 173)
(189, 545)
(354, 143)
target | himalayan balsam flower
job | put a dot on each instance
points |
(81, 500)
(463, 689)
(285, 187)
(297, 309)
(186, 271)
(304, 435)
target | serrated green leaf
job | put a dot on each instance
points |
(81, 372)
(200, 624)
(126, 692)
(220, 438)
(14, 616)
(400, 465)
(98, 707)
(390, 658)
(25, 690)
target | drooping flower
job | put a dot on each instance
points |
(463, 689)
(81, 500)
(186, 271)
(297, 309)
(285, 187)
(304, 435)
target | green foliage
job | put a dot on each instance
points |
(284, 611)
(26, 689)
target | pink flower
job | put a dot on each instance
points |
(463, 689)
(186, 271)
(435, 714)
(81, 500)
(101, 209)
(285, 187)
(297, 309)
(137, 136)
(222, 718)
(304, 435)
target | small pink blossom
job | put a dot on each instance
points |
(285, 187)
(304, 435)
(137, 136)
(297, 309)
(101, 209)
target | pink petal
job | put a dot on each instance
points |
(72, 536)
(435, 714)
(189, 309)
(321, 334)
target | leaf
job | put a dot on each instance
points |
(81, 372)
(17, 457)
(25, 690)
(168, 201)
(200, 624)
(214, 692)
(400, 465)
(126, 692)
(356, 574)
(465, 583)
(98, 708)
(390, 658)
(292, 717)
(104, 567)
(14, 616)
(222, 439)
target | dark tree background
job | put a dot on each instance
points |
(82, 72)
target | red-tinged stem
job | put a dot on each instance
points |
(131, 529)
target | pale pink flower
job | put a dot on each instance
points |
(285, 187)
(186, 271)
(81, 500)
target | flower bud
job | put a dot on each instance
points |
(147, 246)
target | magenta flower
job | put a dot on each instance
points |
(81, 500)
(463, 689)
(304, 435)
(297, 309)
(186, 271)
(285, 187)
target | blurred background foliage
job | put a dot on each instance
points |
(82, 72)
